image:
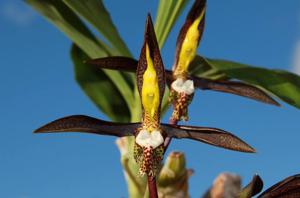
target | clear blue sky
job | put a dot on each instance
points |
(37, 86)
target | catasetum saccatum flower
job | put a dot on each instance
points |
(181, 83)
(149, 133)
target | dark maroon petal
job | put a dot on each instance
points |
(213, 136)
(86, 124)
(237, 88)
(287, 188)
(253, 188)
(115, 63)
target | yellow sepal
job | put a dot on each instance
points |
(189, 46)
(150, 89)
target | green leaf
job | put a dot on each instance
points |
(99, 88)
(96, 14)
(201, 69)
(167, 14)
(283, 84)
(63, 17)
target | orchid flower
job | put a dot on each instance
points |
(149, 133)
(180, 81)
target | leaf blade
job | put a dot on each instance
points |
(168, 12)
(96, 14)
(65, 20)
(99, 88)
(63, 17)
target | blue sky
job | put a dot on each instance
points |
(37, 86)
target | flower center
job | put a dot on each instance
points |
(183, 86)
(146, 138)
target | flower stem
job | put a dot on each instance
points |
(152, 187)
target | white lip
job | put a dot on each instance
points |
(146, 139)
(183, 86)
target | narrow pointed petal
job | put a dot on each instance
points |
(213, 136)
(237, 88)
(287, 188)
(189, 37)
(120, 63)
(86, 124)
(150, 74)
(253, 188)
(151, 41)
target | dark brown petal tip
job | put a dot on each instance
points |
(196, 11)
(213, 136)
(115, 63)
(237, 88)
(287, 188)
(86, 124)
(253, 188)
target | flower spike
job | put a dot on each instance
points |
(86, 124)
(150, 134)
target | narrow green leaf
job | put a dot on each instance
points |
(99, 88)
(65, 20)
(201, 69)
(167, 14)
(63, 17)
(96, 14)
(283, 84)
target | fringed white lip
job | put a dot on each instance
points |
(183, 86)
(146, 139)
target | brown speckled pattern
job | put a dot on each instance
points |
(148, 159)
(180, 102)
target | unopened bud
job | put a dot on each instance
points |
(226, 185)
(173, 169)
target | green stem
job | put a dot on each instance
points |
(131, 176)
